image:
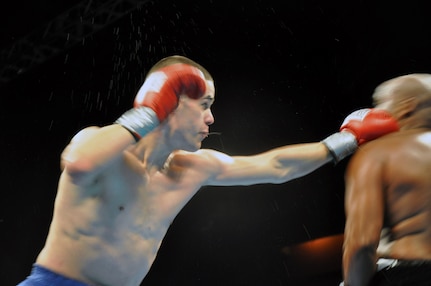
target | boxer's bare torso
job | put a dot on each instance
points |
(108, 231)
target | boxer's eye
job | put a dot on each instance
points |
(207, 102)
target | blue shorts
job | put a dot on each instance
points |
(41, 276)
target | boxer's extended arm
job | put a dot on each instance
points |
(293, 161)
(275, 166)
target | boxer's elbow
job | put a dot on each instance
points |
(361, 266)
(77, 167)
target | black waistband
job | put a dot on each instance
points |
(388, 264)
(401, 263)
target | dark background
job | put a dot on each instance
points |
(286, 72)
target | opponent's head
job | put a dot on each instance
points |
(407, 98)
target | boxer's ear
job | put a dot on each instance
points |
(406, 107)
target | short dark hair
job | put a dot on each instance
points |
(176, 59)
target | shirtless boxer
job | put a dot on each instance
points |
(123, 184)
(388, 193)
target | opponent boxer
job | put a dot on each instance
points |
(388, 193)
(123, 184)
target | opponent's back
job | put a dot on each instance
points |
(407, 192)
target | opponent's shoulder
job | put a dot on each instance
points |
(382, 145)
(394, 142)
(371, 155)
(382, 152)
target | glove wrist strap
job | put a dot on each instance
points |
(139, 121)
(340, 145)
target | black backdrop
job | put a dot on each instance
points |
(286, 72)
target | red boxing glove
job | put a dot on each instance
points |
(162, 88)
(368, 124)
(159, 96)
(359, 127)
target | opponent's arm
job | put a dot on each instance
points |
(364, 207)
(90, 152)
(293, 161)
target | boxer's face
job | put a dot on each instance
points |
(190, 121)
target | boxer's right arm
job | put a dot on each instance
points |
(159, 95)
(91, 149)
(90, 152)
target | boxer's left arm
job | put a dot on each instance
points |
(292, 161)
(279, 165)
(275, 166)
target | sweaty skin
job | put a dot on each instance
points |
(112, 211)
(388, 191)
(117, 197)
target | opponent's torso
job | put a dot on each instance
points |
(407, 177)
(109, 233)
